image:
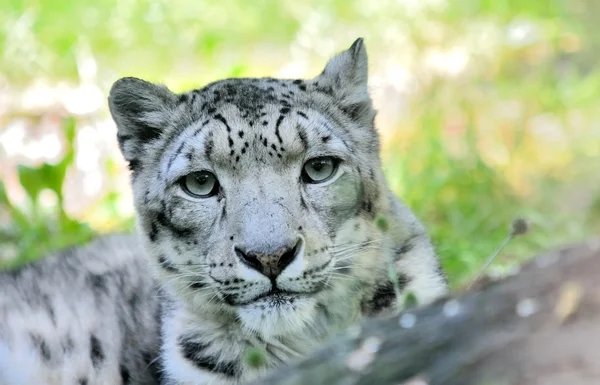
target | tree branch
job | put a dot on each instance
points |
(541, 326)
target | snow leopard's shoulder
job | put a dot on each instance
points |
(84, 315)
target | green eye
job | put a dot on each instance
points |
(200, 184)
(319, 170)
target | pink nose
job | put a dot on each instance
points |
(271, 264)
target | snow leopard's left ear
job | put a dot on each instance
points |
(142, 111)
(347, 75)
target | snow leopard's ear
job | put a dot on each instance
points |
(347, 75)
(141, 110)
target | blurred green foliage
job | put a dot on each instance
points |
(35, 230)
(513, 134)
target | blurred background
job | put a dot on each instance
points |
(488, 110)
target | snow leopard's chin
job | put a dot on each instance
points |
(278, 315)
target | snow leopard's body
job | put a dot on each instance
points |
(269, 259)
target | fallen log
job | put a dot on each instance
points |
(540, 326)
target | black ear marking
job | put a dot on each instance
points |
(357, 47)
(141, 111)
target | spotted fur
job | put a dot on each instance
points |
(81, 317)
(217, 260)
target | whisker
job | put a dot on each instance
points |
(189, 264)
(354, 245)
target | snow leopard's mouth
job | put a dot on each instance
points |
(278, 296)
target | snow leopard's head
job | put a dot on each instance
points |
(250, 191)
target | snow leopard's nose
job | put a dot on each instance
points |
(270, 264)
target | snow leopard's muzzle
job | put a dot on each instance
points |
(271, 264)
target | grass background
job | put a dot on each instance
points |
(488, 109)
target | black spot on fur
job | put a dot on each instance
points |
(371, 174)
(134, 165)
(327, 90)
(183, 98)
(209, 149)
(325, 139)
(166, 264)
(197, 285)
(302, 87)
(166, 222)
(190, 349)
(146, 133)
(125, 375)
(97, 282)
(229, 298)
(303, 203)
(214, 365)
(302, 114)
(195, 352)
(279, 120)
(354, 110)
(405, 248)
(153, 234)
(241, 134)
(302, 136)
(96, 352)
(83, 381)
(41, 346)
(367, 206)
(385, 296)
(199, 129)
(175, 154)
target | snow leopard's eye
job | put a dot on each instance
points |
(200, 184)
(319, 170)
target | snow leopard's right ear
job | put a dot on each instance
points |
(142, 111)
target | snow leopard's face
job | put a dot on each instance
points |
(250, 191)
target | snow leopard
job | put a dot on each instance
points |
(265, 224)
